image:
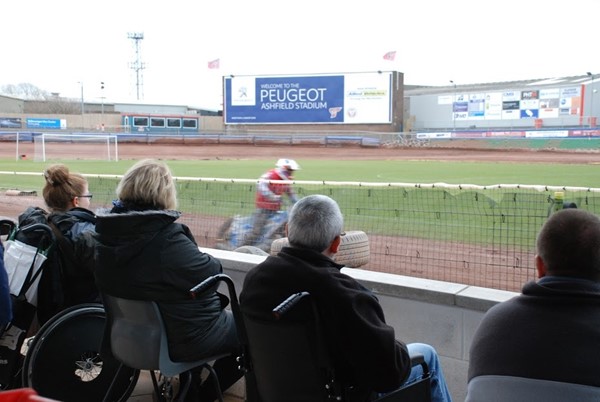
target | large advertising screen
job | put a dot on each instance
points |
(359, 98)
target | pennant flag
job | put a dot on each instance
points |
(390, 56)
(213, 64)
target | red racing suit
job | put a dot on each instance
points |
(268, 195)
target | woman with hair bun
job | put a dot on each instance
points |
(68, 198)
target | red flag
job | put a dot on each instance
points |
(213, 64)
(390, 56)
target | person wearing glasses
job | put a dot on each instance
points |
(68, 199)
(366, 355)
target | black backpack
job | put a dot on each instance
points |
(32, 234)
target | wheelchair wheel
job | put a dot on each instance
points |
(63, 361)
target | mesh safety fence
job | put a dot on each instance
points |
(474, 235)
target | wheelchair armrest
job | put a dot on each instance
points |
(417, 358)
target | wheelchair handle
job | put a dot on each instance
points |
(235, 305)
(204, 285)
(287, 304)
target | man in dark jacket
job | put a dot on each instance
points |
(552, 330)
(365, 351)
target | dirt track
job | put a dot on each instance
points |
(210, 151)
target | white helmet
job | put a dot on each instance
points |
(288, 164)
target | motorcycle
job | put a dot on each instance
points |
(235, 231)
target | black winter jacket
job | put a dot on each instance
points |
(68, 275)
(77, 228)
(146, 255)
(364, 347)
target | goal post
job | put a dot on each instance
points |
(49, 146)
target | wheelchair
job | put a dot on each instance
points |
(63, 360)
(288, 360)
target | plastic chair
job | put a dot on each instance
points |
(504, 388)
(136, 336)
(291, 361)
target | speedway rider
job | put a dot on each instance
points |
(269, 196)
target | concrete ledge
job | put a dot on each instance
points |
(407, 287)
(235, 261)
(482, 299)
(404, 287)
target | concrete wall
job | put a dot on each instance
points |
(442, 314)
(11, 105)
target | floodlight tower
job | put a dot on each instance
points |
(137, 65)
(453, 102)
(591, 118)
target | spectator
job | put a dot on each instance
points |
(551, 330)
(68, 198)
(5, 300)
(269, 197)
(143, 254)
(365, 351)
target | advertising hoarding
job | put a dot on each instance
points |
(46, 123)
(10, 122)
(357, 98)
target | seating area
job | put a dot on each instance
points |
(276, 353)
(442, 314)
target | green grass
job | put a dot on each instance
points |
(470, 216)
(481, 173)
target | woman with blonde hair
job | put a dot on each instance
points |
(144, 254)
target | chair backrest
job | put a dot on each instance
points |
(137, 336)
(287, 356)
(291, 361)
(498, 388)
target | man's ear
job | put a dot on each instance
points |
(335, 245)
(540, 266)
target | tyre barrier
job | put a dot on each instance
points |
(354, 249)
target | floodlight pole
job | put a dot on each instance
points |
(82, 107)
(453, 101)
(102, 107)
(591, 99)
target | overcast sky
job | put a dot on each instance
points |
(58, 44)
